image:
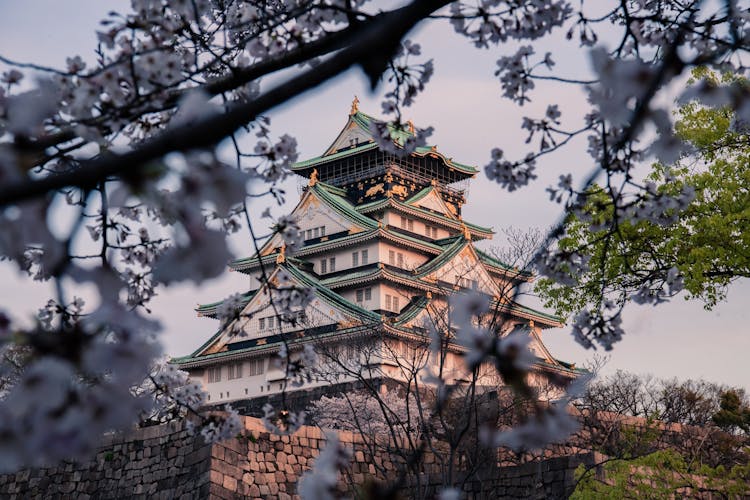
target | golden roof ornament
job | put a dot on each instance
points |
(467, 233)
(281, 258)
(410, 125)
(355, 106)
(313, 178)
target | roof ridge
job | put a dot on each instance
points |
(440, 259)
(309, 280)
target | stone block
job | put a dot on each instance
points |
(248, 478)
(230, 483)
(216, 477)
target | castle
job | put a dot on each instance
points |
(384, 245)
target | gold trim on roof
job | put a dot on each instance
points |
(355, 106)
(313, 178)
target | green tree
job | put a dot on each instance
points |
(703, 249)
(662, 474)
(733, 415)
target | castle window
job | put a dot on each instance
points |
(400, 259)
(214, 374)
(410, 225)
(392, 257)
(308, 235)
(234, 371)
(262, 324)
(364, 257)
(364, 294)
(403, 222)
(256, 367)
(322, 231)
(332, 264)
(323, 264)
(355, 259)
(388, 299)
(395, 304)
(316, 232)
(270, 321)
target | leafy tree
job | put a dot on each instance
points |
(662, 474)
(734, 414)
(700, 248)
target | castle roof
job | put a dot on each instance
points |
(359, 125)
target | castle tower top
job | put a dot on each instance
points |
(354, 162)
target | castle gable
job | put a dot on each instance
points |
(536, 346)
(258, 318)
(431, 200)
(463, 269)
(353, 135)
(314, 213)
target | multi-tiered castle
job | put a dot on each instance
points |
(384, 246)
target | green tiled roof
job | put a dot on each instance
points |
(252, 262)
(405, 206)
(333, 197)
(182, 360)
(489, 259)
(412, 310)
(518, 309)
(398, 135)
(441, 259)
(418, 196)
(328, 295)
(210, 309)
(312, 162)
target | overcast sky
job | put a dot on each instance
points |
(463, 103)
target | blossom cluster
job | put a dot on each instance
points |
(170, 73)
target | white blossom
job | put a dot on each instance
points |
(319, 483)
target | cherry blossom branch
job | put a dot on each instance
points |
(371, 50)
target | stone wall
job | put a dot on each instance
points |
(166, 462)
(160, 462)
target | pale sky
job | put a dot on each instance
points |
(463, 102)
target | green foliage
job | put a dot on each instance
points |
(662, 474)
(709, 244)
(733, 415)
